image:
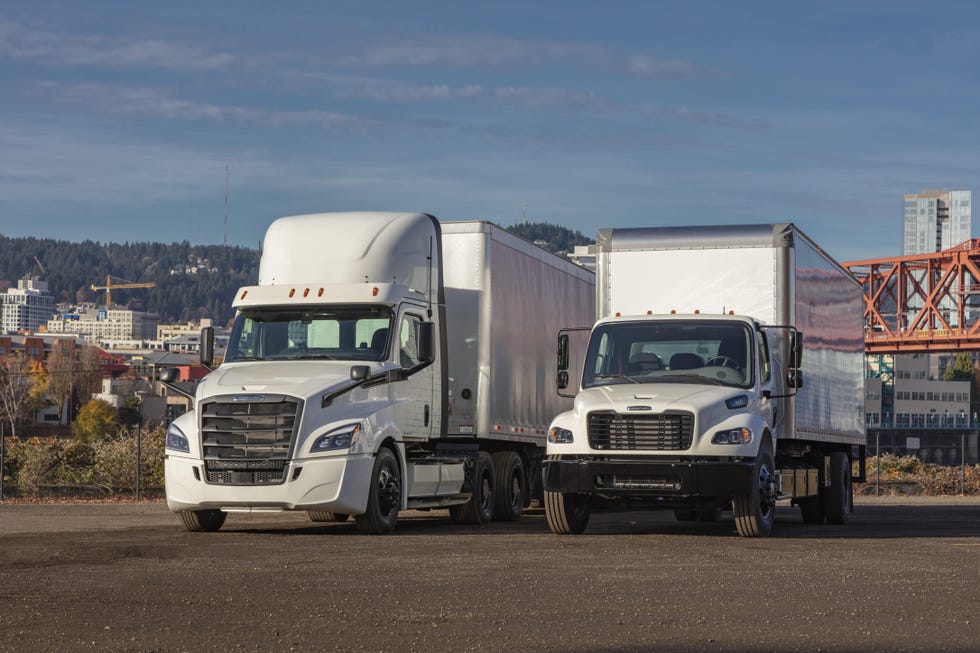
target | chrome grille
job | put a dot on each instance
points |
(654, 432)
(248, 442)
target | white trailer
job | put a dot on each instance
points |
(383, 362)
(692, 395)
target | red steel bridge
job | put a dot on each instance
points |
(922, 302)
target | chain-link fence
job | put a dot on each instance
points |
(905, 461)
(127, 466)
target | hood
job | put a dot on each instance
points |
(296, 378)
(653, 397)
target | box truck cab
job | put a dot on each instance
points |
(370, 371)
(697, 410)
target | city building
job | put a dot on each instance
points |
(27, 308)
(107, 324)
(935, 220)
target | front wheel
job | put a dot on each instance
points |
(385, 497)
(203, 521)
(568, 514)
(756, 511)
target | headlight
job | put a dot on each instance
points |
(341, 438)
(732, 436)
(560, 436)
(176, 440)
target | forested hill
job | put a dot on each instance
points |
(558, 238)
(192, 281)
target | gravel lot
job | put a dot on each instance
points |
(903, 575)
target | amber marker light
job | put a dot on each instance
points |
(306, 292)
(320, 293)
(244, 292)
(374, 292)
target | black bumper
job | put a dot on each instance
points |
(634, 477)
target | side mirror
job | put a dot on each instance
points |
(563, 353)
(169, 374)
(427, 342)
(562, 380)
(207, 347)
(796, 350)
(359, 372)
(794, 379)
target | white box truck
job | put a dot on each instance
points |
(693, 394)
(383, 362)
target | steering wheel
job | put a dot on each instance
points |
(724, 361)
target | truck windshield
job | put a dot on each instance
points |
(701, 352)
(341, 333)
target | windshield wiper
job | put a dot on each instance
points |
(617, 376)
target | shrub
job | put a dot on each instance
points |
(96, 420)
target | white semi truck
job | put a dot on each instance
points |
(384, 361)
(693, 394)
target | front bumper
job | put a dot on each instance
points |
(652, 478)
(338, 484)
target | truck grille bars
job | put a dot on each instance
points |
(655, 432)
(247, 439)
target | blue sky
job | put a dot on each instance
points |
(117, 118)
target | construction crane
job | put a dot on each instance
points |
(109, 286)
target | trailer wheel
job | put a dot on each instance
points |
(837, 495)
(203, 521)
(323, 515)
(755, 512)
(568, 514)
(385, 497)
(510, 484)
(479, 509)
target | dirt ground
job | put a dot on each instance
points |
(903, 575)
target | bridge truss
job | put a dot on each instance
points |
(922, 302)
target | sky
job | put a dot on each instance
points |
(119, 120)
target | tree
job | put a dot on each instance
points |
(19, 378)
(96, 420)
(960, 370)
(72, 372)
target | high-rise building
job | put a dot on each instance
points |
(27, 308)
(935, 220)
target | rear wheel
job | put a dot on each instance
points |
(837, 494)
(203, 521)
(510, 484)
(322, 516)
(479, 509)
(385, 497)
(756, 511)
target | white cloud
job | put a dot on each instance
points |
(144, 101)
(477, 51)
(19, 41)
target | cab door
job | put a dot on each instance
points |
(415, 393)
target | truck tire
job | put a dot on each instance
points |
(322, 516)
(510, 484)
(755, 512)
(203, 521)
(479, 509)
(568, 514)
(837, 494)
(385, 496)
